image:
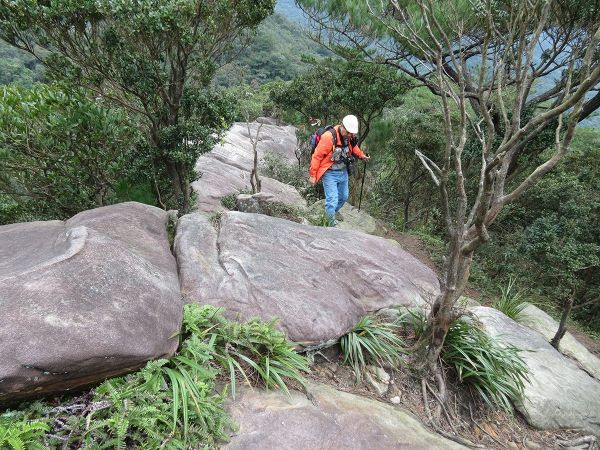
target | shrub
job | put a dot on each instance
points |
(274, 166)
(497, 372)
(510, 302)
(229, 201)
(371, 342)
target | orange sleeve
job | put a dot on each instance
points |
(324, 148)
(358, 152)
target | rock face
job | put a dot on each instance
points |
(333, 420)
(226, 169)
(352, 218)
(536, 319)
(81, 300)
(317, 281)
(559, 394)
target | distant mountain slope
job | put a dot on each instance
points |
(17, 66)
(275, 54)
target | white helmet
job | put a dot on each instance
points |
(350, 123)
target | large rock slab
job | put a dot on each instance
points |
(538, 320)
(332, 420)
(226, 169)
(559, 395)
(317, 281)
(81, 300)
(351, 218)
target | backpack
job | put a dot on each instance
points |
(316, 137)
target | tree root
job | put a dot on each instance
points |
(425, 400)
(590, 440)
(483, 429)
(456, 438)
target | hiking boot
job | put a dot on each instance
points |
(339, 217)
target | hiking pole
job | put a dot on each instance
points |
(362, 184)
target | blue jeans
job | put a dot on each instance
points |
(335, 185)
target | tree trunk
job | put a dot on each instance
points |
(442, 315)
(562, 327)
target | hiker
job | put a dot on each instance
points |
(332, 160)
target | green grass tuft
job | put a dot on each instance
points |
(251, 349)
(496, 371)
(371, 342)
(510, 302)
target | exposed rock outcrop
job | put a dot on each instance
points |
(317, 281)
(536, 319)
(226, 169)
(331, 420)
(559, 394)
(81, 300)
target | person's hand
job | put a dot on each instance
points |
(312, 181)
(367, 157)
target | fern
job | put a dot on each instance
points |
(20, 435)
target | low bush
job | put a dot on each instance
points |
(371, 342)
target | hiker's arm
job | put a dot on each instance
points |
(359, 153)
(323, 149)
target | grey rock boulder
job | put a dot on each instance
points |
(559, 394)
(352, 218)
(538, 320)
(82, 300)
(317, 281)
(332, 420)
(226, 169)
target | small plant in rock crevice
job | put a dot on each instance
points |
(254, 349)
(371, 341)
(229, 201)
(510, 302)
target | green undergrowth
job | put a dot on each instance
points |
(495, 371)
(170, 403)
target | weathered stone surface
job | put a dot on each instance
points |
(538, 320)
(559, 395)
(256, 203)
(81, 300)
(226, 169)
(378, 379)
(353, 219)
(317, 281)
(336, 420)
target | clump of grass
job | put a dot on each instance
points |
(497, 372)
(510, 301)
(251, 349)
(371, 342)
(321, 220)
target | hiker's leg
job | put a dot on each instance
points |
(342, 190)
(330, 186)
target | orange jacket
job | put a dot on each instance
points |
(321, 158)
